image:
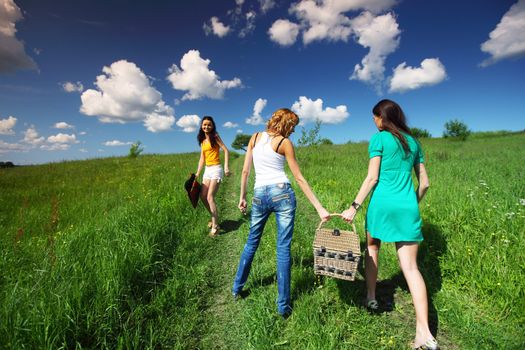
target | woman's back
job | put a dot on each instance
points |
(268, 164)
(393, 213)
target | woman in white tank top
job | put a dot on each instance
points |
(272, 193)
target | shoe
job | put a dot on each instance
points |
(236, 296)
(372, 305)
(214, 232)
(430, 344)
(210, 224)
(286, 315)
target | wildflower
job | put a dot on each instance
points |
(510, 215)
(522, 201)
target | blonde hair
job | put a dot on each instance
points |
(283, 121)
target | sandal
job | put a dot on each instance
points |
(214, 232)
(372, 305)
(210, 224)
(430, 344)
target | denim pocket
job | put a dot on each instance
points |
(256, 201)
(280, 197)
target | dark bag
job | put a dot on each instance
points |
(193, 187)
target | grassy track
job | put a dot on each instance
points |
(108, 254)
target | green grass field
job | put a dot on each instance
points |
(108, 254)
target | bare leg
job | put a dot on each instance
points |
(371, 265)
(212, 190)
(407, 255)
(204, 194)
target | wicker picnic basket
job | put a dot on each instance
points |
(336, 252)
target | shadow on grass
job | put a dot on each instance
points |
(231, 225)
(433, 246)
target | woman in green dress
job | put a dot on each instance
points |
(393, 212)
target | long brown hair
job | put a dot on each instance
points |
(393, 120)
(213, 134)
(283, 121)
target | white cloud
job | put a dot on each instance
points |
(508, 39)
(216, 27)
(239, 131)
(116, 143)
(83, 150)
(31, 137)
(7, 125)
(124, 94)
(325, 19)
(161, 119)
(284, 32)
(381, 35)
(310, 111)
(250, 24)
(406, 78)
(195, 77)
(63, 125)
(56, 147)
(73, 87)
(230, 125)
(6, 147)
(189, 123)
(256, 118)
(82, 133)
(12, 53)
(62, 138)
(266, 5)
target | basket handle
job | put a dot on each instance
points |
(336, 214)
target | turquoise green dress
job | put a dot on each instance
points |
(393, 211)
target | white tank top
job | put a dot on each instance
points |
(268, 164)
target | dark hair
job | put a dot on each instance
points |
(213, 134)
(393, 120)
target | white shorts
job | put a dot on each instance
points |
(213, 172)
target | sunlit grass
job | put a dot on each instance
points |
(108, 253)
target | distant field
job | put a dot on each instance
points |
(108, 254)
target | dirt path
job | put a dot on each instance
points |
(221, 315)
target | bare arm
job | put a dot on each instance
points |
(226, 155)
(367, 186)
(244, 175)
(289, 153)
(422, 179)
(201, 164)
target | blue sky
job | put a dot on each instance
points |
(84, 79)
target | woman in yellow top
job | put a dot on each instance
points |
(211, 143)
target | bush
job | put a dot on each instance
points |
(456, 129)
(311, 137)
(326, 141)
(135, 150)
(420, 133)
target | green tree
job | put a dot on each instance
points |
(241, 141)
(326, 141)
(456, 129)
(135, 150)
(420, 133)
(310, 137)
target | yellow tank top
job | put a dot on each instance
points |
(211, 155)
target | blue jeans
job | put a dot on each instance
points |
(279, 199)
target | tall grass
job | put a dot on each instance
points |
(108, 254)
(101, 254)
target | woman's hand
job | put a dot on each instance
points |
(227, 172)
(323, 214)
(349, 214)
(242, 205)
